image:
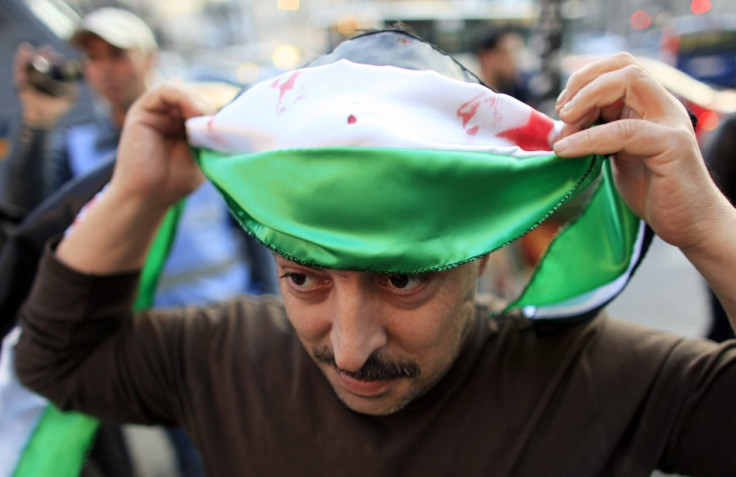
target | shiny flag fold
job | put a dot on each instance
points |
(386, 169)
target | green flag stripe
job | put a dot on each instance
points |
(157, 258)
(59, 444)
(391, 209)
(592, 251)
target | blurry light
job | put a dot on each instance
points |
(640, 20)
(347, 25)
(248, 73)
(574, 10)
(286, 56)
(708, 120)
(287, 4)
(58, 19)
(699, 6)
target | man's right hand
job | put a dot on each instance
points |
(39, 110)
(656, 162)
(154, 169)
(154, 160)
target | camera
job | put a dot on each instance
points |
(53, 77)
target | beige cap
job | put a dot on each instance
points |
(119, 28)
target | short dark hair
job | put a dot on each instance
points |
(489, 38)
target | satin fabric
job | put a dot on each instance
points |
(392, 210)
(386, 155)
(594, 250)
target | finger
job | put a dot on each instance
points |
(584, 75)
(567, 130)
(49, 52)
(176, 97)
(570, 129)
(633, 136)
(168, 122)
(613, 111)
(588, 119)
(631, 87)
(23, 55)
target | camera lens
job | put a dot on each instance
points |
(52, 78)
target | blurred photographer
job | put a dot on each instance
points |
(118, 59)
(119, 56)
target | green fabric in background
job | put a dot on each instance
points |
(60, 442)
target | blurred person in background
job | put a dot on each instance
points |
(497, 51)
(358, 372)
(719, 153)
(119, 61)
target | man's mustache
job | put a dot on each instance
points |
(374, 369)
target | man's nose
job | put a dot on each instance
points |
(357, 329)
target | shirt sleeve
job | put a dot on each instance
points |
(29, 173)
(83, 349)
(701, 441)
(39, 165)
(661, 400)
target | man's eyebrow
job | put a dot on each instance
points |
(286, 262)
(410, 274)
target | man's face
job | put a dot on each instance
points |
(117, 75)
(499, 65)
(381, 340)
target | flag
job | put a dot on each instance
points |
(380, 168)
(36, 438)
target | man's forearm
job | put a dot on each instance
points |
(113, 236)
(715, 258)
(29, 168)
(53, 351)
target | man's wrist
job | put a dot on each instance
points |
(30, 131)
(112, 235)
(39, 118)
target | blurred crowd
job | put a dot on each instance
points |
(119, 55)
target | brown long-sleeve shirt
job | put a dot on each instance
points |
(598, 398)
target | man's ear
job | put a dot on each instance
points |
(483, 264)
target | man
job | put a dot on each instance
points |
(380, 363)
(718, 152)
(119, 60)
(497, 51)
(119, 55)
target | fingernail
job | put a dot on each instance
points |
(561, 96)
(567, 107)
(561, 146)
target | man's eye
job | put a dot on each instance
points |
(301, 280)
(405, 282)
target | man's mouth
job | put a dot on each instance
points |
(364, 388)
(374, 378)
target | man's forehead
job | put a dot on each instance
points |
(285, 262)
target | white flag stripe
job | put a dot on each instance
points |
(20, 409)
(594, 298)
(323, 106)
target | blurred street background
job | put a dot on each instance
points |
(244, 41)
(690, 45)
